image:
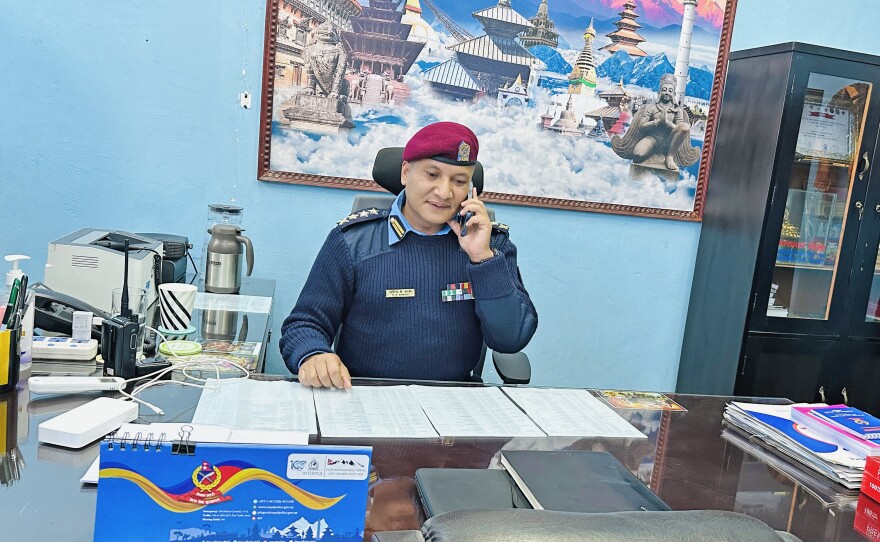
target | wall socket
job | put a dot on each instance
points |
(245, 100)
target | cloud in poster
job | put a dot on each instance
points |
(518, 156)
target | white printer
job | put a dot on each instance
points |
(88, 265)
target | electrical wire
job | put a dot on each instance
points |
(183, 366)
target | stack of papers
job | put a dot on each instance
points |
(474, 412)
(571, 413)
(772, 425)
(257, 404)
(851, 428)
(371, 412)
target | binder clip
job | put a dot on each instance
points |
(184, 446)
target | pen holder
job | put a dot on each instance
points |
(10, 358)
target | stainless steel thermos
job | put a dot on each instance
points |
(223, 259)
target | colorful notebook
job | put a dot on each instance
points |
(847, 427)
(161, 490)
(852, 420)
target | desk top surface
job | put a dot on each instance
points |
(684, 461)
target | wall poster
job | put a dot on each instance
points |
(595, 105)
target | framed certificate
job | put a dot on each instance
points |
(826, 132)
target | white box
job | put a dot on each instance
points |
(87, 423)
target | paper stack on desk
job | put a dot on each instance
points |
(371, 412)
(474, 412)
(773, 426)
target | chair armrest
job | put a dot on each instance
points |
(398, 536)
(512, 368)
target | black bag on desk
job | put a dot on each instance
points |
(578, 481)
(444, 490)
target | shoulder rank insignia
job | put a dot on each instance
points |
(500, 226)
(397, 226)
(362, 216)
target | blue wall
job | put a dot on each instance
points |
(125, 115)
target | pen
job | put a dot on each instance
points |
(13, 298)
(18, 305)
(22, 293)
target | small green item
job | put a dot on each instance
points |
(180, 348)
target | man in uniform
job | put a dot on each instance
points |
(411, 292)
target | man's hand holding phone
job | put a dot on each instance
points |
(479, 228)
(324, 370)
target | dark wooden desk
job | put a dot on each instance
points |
(684, 461)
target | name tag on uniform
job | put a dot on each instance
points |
(402, 292)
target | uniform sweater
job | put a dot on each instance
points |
(419, 337)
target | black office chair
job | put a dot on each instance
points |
(512, 368)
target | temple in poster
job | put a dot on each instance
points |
(379, 53)
(583, 78)
(626, 37)
(296, 20)
(488, 62)
(543, 30)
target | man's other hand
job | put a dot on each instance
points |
(324, 370)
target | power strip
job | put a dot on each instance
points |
(87, 423)
(64, 348)
(74, 384)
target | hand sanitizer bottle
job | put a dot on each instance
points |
(11, 275)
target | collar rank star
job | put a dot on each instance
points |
(400, 292)
(457, 291)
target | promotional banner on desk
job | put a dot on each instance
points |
(156, 490)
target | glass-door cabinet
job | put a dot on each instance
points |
(818, 204)
(797, 240)
(808, 323)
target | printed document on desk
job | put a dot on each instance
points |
(276, 405)
(474, 412)
(571, 413)
(371, 412)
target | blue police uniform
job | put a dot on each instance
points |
(409, 306)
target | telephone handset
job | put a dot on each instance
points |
(53, 311)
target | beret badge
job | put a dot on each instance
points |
(464, 152)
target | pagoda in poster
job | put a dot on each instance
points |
(486, 63)
(379, 53)
(543, 30)
(626, 37)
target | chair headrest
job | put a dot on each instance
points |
(386, 170)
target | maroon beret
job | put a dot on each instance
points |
(448, 142)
